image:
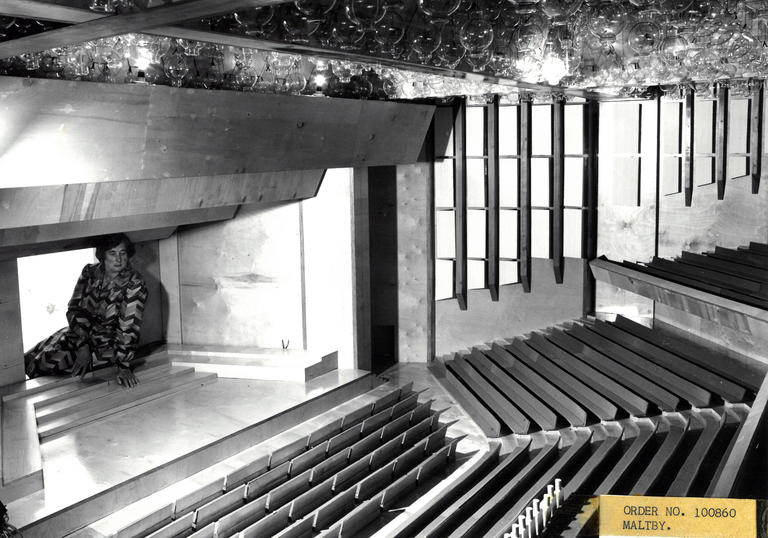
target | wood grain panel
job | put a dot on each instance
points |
(361, 272)
(240, 279)
(740, 317)
(516, 312)
(414, 227)
(107, 132)
(735, 220)
(11, 347)
(21, 207)
(44, 234)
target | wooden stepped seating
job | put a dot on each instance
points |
(255, 363)
(679, 453)
(65, 414)
(394, 441)
(689, 288)
(622, 368)
(20, 450)
(684, 463)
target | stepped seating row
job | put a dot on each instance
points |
(335, 480)
(48, 407)
(676, 454)
(588, 371)
(93, 399)
(739, 274)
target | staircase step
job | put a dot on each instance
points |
(121, 401)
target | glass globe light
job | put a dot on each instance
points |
(479, 61)
(438, 11)
(364, 13)
(176, 68)
(450, 52)
(254, 20)
(315, 9)
(425, 42)
(525, 7)
(606, 21)
(673, 47)
(674, 6)
(476, 35)
(530, 35)
(553, 67)
(389, 30)
(644, 37)
(559, 10)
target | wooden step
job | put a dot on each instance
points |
(120, 401)
(54, 407)
(255, 363)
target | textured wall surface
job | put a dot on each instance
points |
(515, 313)
(11, 352)
(736, 220)
(626, 226)
(328, 267)
(57, 131)
(241, 279)
(413, 262)
(147, 262)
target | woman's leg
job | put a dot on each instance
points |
(52, 356)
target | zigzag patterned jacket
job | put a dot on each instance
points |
(107, 317)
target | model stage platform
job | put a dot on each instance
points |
(75, 451)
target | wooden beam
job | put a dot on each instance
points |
(68, 11)
(11, 346)
(45, 234)
(558, 187)
(721, 140)
(492, 227)
(589, 223)
(361, 270)
(524, 164)
(688, 149)
(173, 13)
(108, 132)
(460, 201)
(82, 202)
(756, 134)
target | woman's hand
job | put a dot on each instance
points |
(126, 378)
(82, 362)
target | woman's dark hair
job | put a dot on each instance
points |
(106, 242)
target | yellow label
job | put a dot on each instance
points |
(684, 517)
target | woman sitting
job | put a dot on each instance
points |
(104, 316)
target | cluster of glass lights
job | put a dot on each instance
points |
(139, 58)
(574, 43)
(610, 45)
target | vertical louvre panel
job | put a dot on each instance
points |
(756, 135)
(460, 193)
(721, 140)
(525, 192)
(558, 187)
(492, 148)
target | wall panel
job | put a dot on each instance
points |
(240, 280)
(515, 312)
(414, 254)
(11, 352)
(56, 132)
(736, 220)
